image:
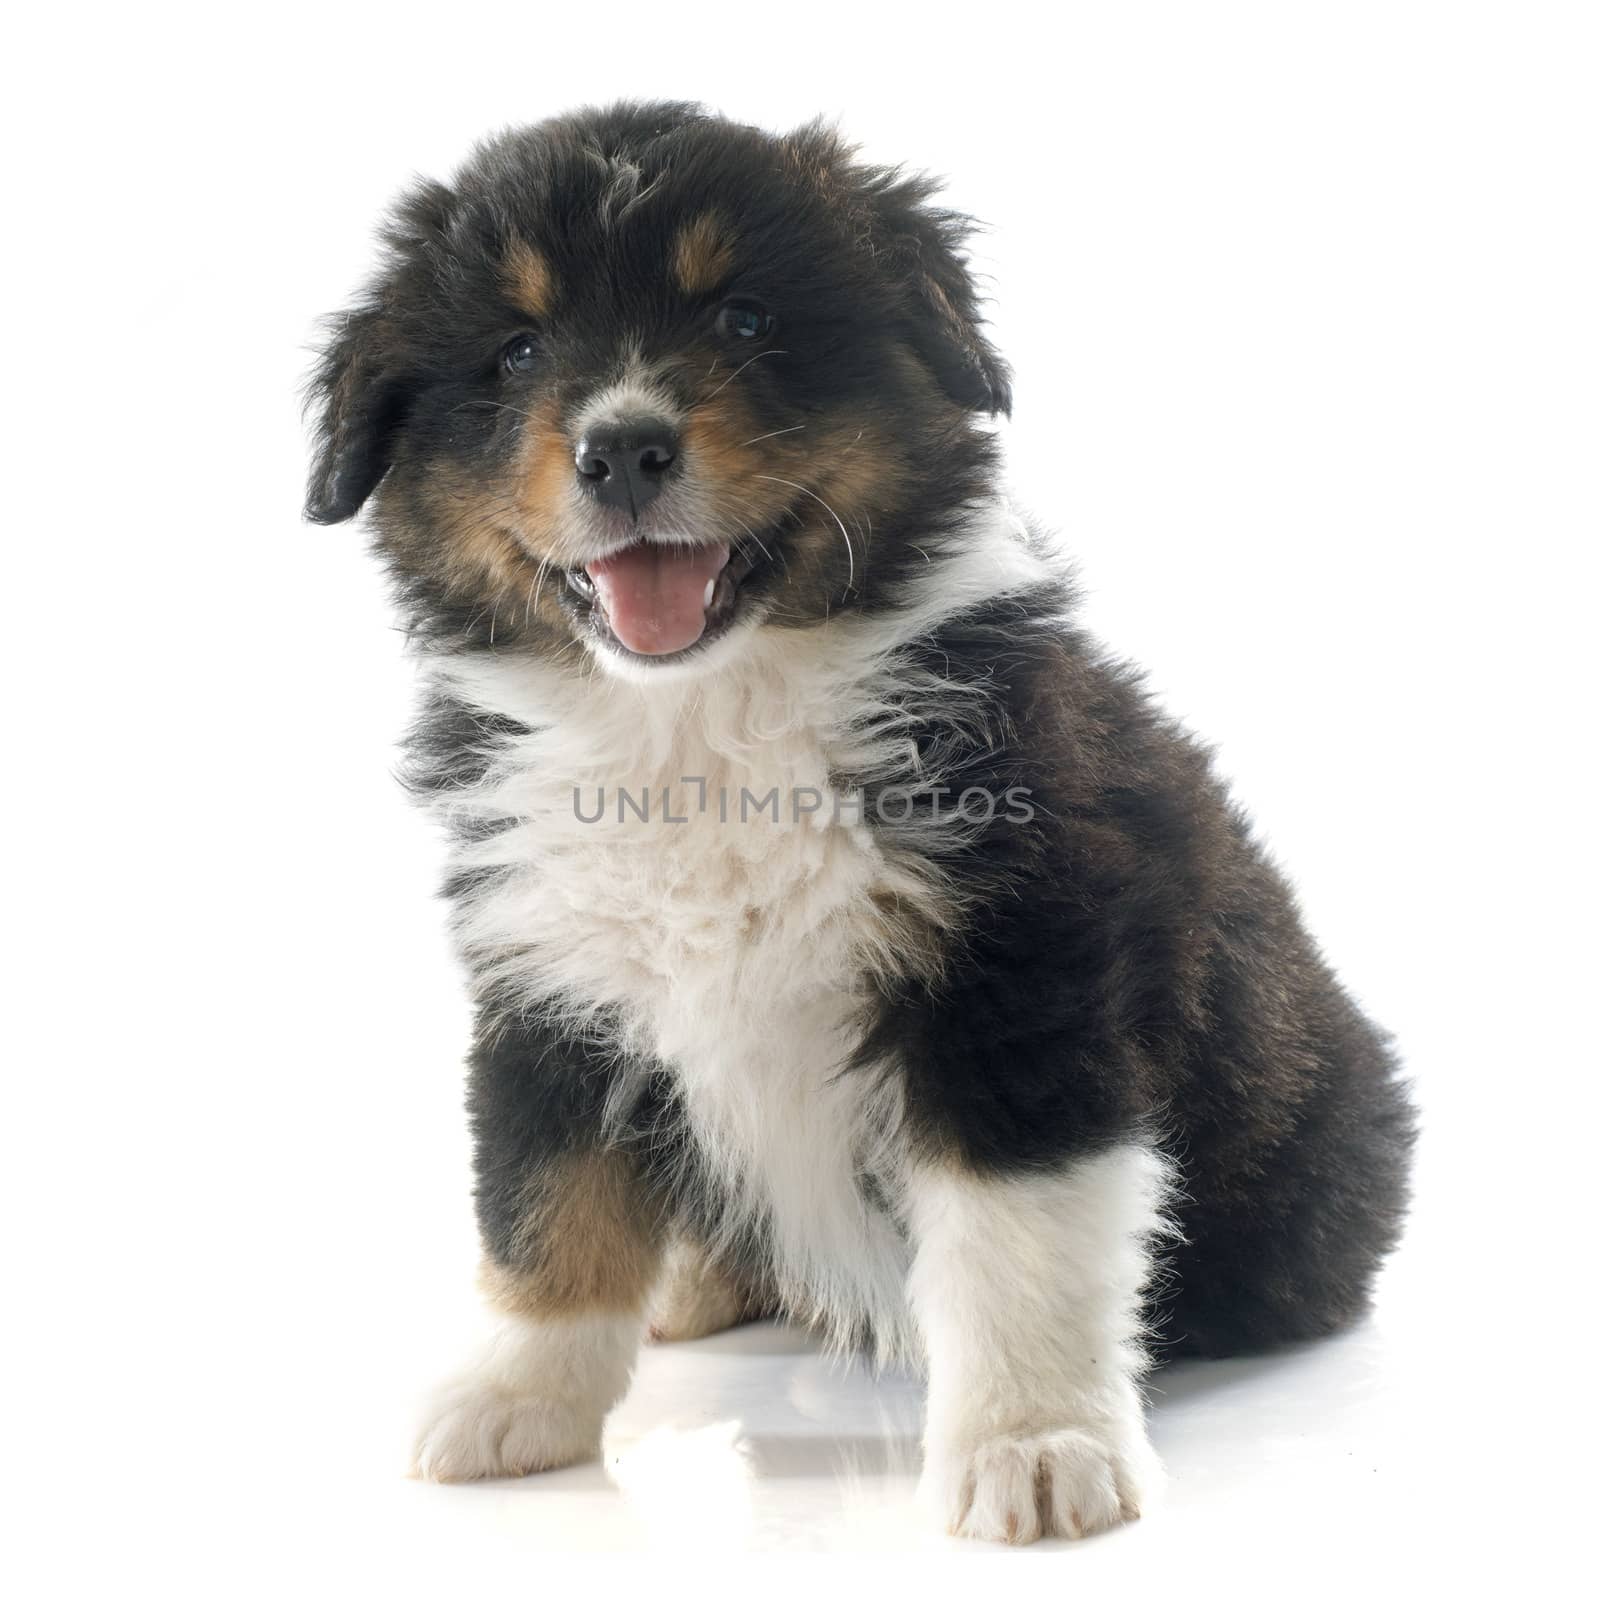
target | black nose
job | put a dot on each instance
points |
(624, 464)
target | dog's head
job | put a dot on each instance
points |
(648, 378)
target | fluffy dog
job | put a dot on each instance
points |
(843, 926)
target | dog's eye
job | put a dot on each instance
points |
(521, 354)
(744, 319)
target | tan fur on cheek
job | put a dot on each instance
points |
(863, 465)
(721, 446)
(544, 473)
(863, 470)
(844, 469)
(489, 541)
(471, 550)
(702, 255)
(590, 1243)
(530, 283)
(862, 475)
(493, 534)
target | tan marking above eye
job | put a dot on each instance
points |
(702, 255)
(529, 280)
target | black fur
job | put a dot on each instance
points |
(1134, 961)
(1158, 965)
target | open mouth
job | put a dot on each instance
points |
(661, 600)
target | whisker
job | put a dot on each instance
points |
(755, 538)
(844, 532)
(773, 435)
(495, 405)
(735, 373)
(538, 580)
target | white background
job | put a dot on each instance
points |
(1302, 303)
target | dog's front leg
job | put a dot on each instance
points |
(1027, 1290)
(572, 1235)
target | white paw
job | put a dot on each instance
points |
(1069, 1482)
(480, 1430)
(536, 1397)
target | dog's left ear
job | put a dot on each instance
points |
(359, 402)
(929, 244)
(923, 247)
(926, 245)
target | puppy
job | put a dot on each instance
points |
(841, 921)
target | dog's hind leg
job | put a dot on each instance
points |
(699, 1294)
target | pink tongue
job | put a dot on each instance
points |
(655, 595)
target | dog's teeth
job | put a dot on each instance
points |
(711, 589)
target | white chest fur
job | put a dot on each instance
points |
(737, 942)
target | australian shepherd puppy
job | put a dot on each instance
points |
(848, 934)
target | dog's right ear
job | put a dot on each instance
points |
(359, 402)
(365, 382)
